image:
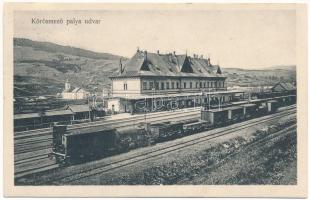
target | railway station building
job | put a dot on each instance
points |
(156, 81)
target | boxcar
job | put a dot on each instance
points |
(216, 117)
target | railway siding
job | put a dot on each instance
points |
(185, 167)
(99, 164)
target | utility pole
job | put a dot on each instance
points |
(209, 99)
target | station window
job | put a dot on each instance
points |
(178, 86)
(204, 84)
(167, 85)
(184, 84)
(190, 85)
(172, 85)
(200, 84)
(125, 86)
(196, 84)
(208, 83)
(156, 85)
(151, 85)
(144, 85)
(162, 85)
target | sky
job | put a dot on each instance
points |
(232, 38)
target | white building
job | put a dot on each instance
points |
(155, 81)
(76, 93)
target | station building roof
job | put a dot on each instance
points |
(144, 63)
(279, 87)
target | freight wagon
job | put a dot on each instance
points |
(196, 127)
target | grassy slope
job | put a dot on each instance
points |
(46, 66)
(267, 76)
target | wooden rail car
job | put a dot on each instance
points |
(216, 117)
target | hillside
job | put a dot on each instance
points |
(266, 76)
(41, 68)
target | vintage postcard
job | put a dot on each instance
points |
(155, 100)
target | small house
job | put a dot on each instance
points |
(81, 112)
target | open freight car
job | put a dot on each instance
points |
(195, 127)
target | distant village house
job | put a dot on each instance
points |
(76, 93)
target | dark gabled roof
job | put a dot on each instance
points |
(285, 86)
(155, 64)
(78, 108)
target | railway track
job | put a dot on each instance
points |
(150, 116)
(90, 169)
(30, 153)
(29, 144)
(20, 134)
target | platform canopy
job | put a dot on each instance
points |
(189, 94)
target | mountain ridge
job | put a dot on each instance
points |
(52, 47)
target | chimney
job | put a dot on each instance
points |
(219, 71)
(138, 50)
(209, 63)
(157, 51)
(120, 66)
(145, 55)
(173, 52)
